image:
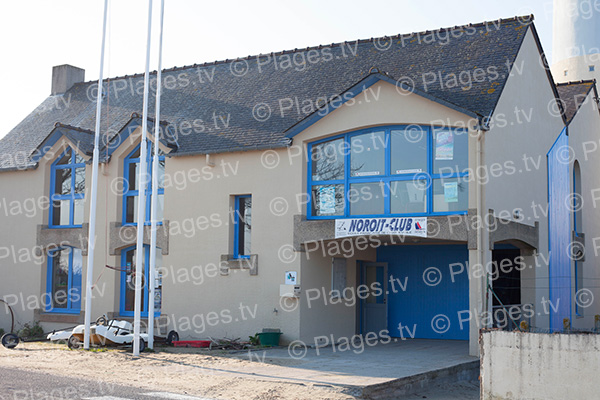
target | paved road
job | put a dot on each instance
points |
(24, 385)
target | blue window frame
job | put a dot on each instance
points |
(63, 281)
(389, 170)
(67, 190)
(131, 186)
(242, 226)
(127, 298)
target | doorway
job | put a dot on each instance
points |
(374, 302)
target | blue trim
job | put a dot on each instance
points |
(47, 144)
(132, 193)
(70, 309)
(236, 227)
(559, 231)
(123, 284)
(387, 178)
(337, 101)
(73, 166)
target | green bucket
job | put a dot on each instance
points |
(269, 338)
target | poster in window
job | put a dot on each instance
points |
(451, 192)
(327, 200)
(415, 193)
(444, 146)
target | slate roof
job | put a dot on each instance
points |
(222, 106)
(572, 95)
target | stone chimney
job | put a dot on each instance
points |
(64, 77)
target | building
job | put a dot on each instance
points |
(575, 41)
(409, 186)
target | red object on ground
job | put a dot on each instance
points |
(191, 343)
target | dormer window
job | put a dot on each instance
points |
(132, 184)
(67, 188)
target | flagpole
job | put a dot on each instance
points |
(93, 194)
(155, 187)
(141, 211)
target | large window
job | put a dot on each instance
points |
(67, 187)
(413, 170)
(132, 185)
(63, 281)
(128, 282)
(242, 224)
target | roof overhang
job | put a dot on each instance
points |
(81, 140)
(167, 141)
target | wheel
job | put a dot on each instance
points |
(10, 340)
(74, 343)
(173, 336)
(142, 346)
(101, 320)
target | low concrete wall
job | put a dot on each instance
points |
(523, 365)
(406, 386)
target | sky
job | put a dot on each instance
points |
(39, 34)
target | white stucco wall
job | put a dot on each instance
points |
(528, 366)
(524, 127)
(584, 140)
(21, 268)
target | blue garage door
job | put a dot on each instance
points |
(428, 295)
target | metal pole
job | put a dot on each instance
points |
(92, 228)
(141, 211)
(153, 220)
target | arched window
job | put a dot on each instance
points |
(131, 186)
(128, 268)
(67, 188)
(577, 229)
(63, 280)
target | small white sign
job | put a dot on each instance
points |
(290, 277)
(409, 171)
(409, 226)
(366, 173)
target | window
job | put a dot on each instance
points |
(242, 223)
(592, 68)
(132, 184)
(577, 199)
(566, 72)
(127, 306)
(67, 187)
(397, 170)
(577, 202)
(63, 281)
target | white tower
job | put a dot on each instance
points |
(576, 40)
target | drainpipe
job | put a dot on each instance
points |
(480, 194)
